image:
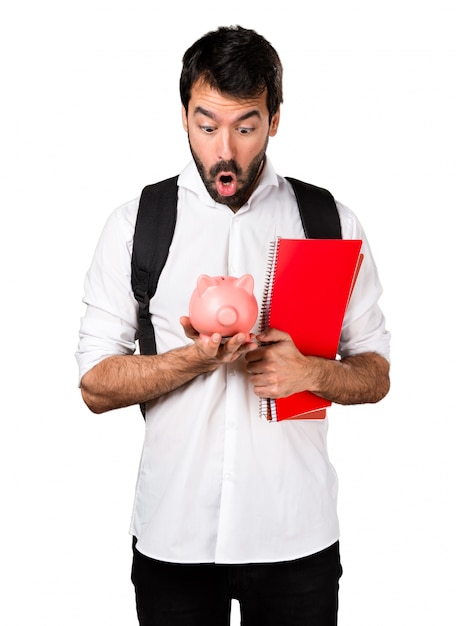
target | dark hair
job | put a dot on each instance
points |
(235, 61)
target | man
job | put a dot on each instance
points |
(227, 505)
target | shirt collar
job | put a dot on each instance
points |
(190, 179)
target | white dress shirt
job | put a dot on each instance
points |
(217, 483)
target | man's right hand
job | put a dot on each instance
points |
(216, 349)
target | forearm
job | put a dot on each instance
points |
(120, 381)
(277, 369)
(359, 379)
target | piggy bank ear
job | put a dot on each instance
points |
(204, 282)
(245, 282)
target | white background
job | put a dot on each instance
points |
(90, 113)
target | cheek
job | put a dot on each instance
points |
(200, 149)
(200, 155)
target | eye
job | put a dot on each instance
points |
(207, 129)
(245, 130)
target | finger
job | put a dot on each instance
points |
(211, 343)
(233, 344)
(188, 328)
(255, 353)
(262, 392)
(232, 348)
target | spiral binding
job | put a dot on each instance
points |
(269, 286)
(267, 406)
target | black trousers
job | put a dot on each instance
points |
(303, 592)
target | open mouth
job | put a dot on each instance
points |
(226, 184)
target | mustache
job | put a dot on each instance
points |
(225, 166)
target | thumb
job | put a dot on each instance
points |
(272, 335)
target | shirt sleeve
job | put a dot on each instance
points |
(110, 323)
(364, 324)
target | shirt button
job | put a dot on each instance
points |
(227, 476)
(233, 372)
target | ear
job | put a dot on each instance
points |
(184, 119)
(274, 125)
(204, 282)
(245, 282)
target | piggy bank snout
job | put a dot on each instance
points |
(227, 315)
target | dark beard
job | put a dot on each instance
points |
(245, 181)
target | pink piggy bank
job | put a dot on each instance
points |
(223, 304)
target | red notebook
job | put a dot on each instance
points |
(308, 288)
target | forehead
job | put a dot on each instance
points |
(205, 97)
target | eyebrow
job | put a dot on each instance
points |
(213, 116)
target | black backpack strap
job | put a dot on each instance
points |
(154, 231)
(318, 210)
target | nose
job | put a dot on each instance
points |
(225, 145)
